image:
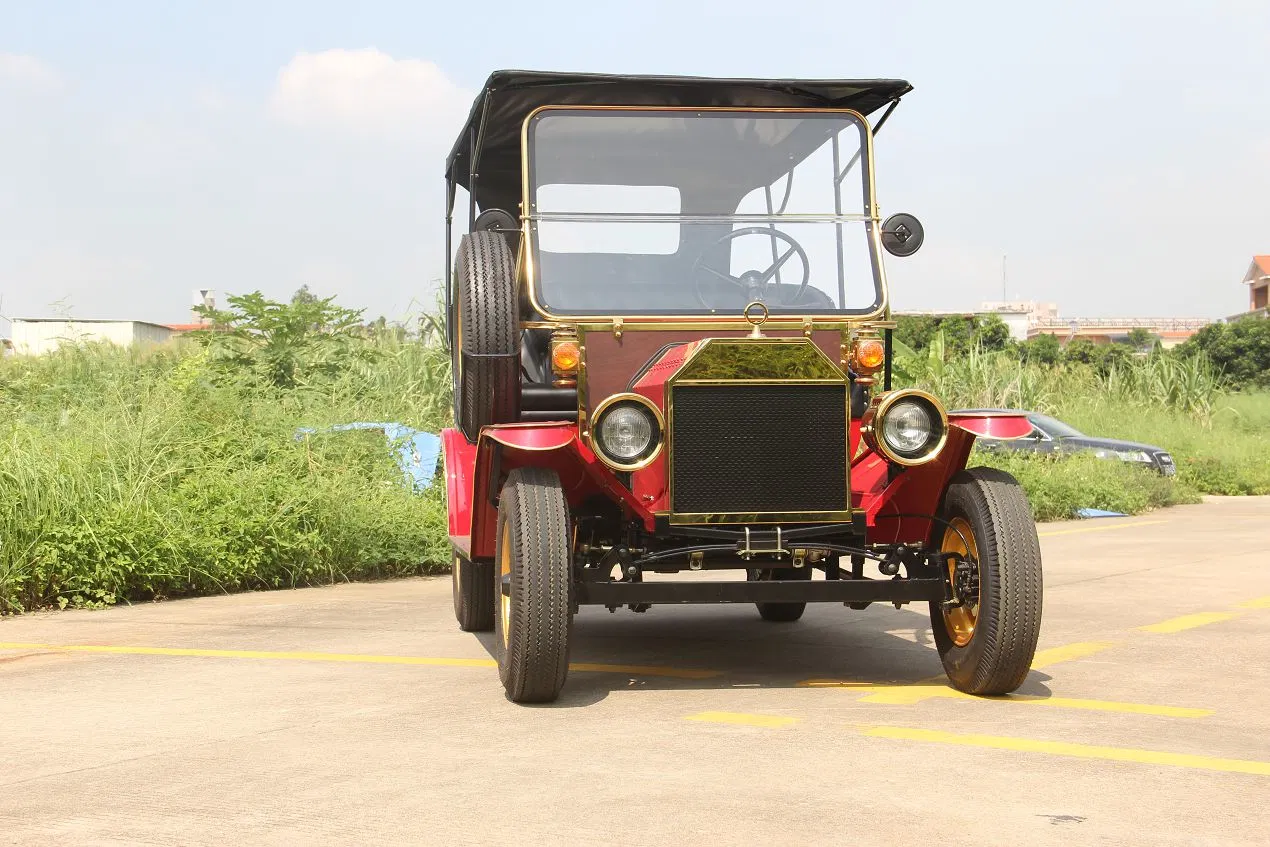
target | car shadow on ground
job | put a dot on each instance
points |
(829, 647)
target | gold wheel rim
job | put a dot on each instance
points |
(504, 575)
(960, 620)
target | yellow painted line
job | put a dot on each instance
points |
(1079, 650)
(1259, 603)
(355, 658)
(908, 695)
(1189, 622)
(915, 694)
(743, 719)
(1063, 748)
(1100, 528)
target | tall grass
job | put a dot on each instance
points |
(1000, 379)
(129, 475)
(1220, 441)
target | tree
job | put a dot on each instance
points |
(1044, 349)
(1141, 339)
(991, 333)
(1240, 349)
(916, 331)
(303, 296)
(1080, 350)
(281, 344)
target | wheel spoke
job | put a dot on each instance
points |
(776, 266)
(725, 277)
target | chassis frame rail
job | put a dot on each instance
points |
(765, 591)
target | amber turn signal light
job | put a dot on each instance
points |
(565, 356)
(869, 355)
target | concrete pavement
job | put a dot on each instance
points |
(360, 714)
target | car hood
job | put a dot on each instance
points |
(1111, 444)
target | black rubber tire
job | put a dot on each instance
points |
(487, 361)
(997, 658)
(782, 612)
(533, 652)
(472, 584)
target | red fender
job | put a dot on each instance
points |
(920, 490)
(475, 474)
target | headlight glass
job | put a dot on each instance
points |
(626, 432)
(908, 428)
(1134, 456)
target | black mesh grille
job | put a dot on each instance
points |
(759, 448)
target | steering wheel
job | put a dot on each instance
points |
(754, 283)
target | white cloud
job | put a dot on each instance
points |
(368, 92)
(27, 73)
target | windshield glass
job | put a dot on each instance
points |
(686, 212)
(1055, 428)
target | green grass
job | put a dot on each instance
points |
(131, 476)
(126, 476)
(1058, 486)
(1225, 453)
(1220, 441)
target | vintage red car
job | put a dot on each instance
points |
(671, 352)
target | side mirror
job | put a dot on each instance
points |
(902, 234)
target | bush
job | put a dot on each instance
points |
(1057, 486)
(1240, 350)
(127, 475)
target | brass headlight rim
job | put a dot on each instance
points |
(878, 442)
(597, 418)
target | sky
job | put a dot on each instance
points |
(1116, 154)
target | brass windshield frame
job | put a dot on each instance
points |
(872, 219)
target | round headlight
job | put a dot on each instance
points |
(627, 431)
(908, 428)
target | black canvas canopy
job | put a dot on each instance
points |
(492, 131)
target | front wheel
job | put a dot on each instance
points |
(987, 642)
(533, 586)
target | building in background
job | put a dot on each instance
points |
(36, 336)
(1028, 319)
(1258, 281)
(1170, 331)
(1019, 315)
(203, 298)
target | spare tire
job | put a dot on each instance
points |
(487, 334)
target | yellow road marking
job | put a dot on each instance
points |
(1063, 748)
(1101, 528)
(908, 695)
(1189, 621)
(743, 719)
(356, 658)
(1259, 603)
(1079, 650)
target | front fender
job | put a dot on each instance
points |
(502, 449)
(896, 501)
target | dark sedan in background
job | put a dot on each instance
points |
(1050, 435)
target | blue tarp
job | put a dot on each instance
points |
(417, 452)
(1099, 513)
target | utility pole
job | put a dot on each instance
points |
(1004, 298)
